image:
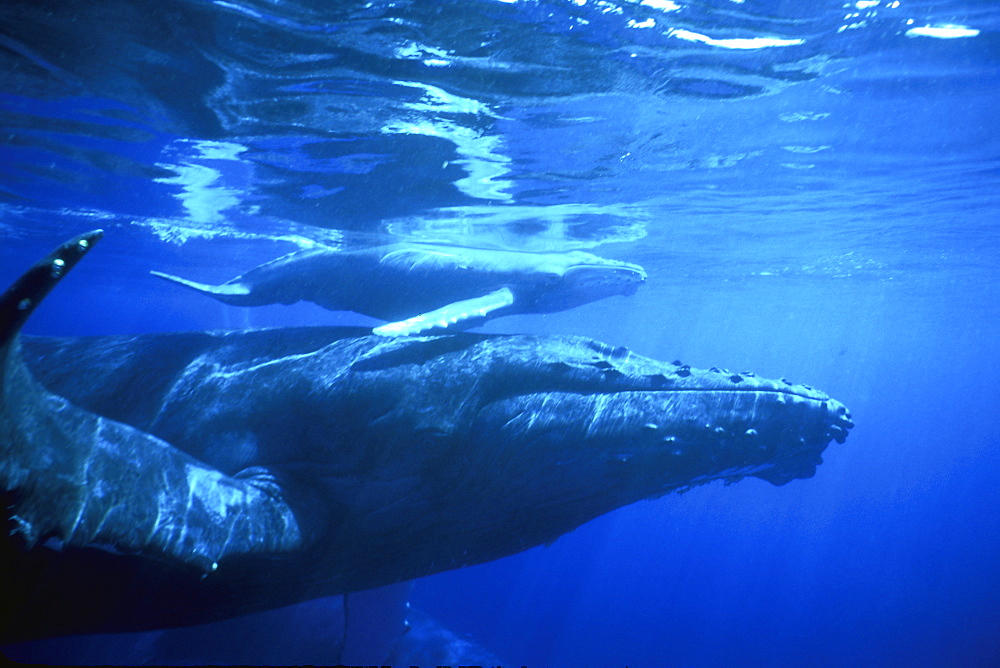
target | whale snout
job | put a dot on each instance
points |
(631, 281)
(603, 280)
(800, 448)
(840, 422)
(631, 274)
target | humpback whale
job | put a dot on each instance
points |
(419, 287)
(164, 480)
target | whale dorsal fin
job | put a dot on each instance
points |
(449, 315)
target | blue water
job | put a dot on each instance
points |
(813, 188)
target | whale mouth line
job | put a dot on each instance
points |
(606, 274)
(609, 267)
(692, 390)
(623, 269)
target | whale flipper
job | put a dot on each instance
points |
(19, 301)
(451, 314)
(231, 289)
(87, 481)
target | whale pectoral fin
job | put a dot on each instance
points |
(91, 482)
(449, 315)
(219, 291)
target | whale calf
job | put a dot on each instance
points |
(164, 480)
(418, 287)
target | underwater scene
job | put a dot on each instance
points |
(561, 333)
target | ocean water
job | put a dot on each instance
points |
(813, 188)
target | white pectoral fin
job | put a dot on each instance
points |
(449, 315)
(224, 290)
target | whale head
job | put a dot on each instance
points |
(617, 427)
(577, 278)
(521, 439)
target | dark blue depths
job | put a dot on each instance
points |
(819, 206)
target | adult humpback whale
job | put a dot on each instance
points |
(171, 479)
(419, 287)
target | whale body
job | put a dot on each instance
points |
(170, 479)
(418, 287)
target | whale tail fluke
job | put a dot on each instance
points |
(231, 293)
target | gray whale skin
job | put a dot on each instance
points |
(171, 479)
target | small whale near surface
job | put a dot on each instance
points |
(164, 480)
(418, 287)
